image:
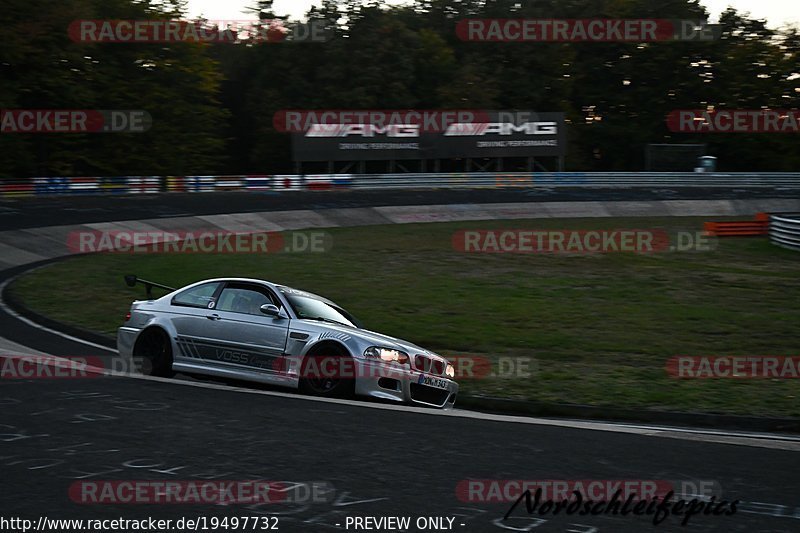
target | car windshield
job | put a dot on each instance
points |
(311, 308)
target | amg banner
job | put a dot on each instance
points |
(483, 134)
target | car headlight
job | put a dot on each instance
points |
(450, 371)
(387, 355)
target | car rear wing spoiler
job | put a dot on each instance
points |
(131, 280)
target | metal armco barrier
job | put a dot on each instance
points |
(321, 182)
(574, 179)
(784, 230)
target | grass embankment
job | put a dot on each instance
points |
(600, 327)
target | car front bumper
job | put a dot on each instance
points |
(394, 383)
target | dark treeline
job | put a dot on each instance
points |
(213, 104)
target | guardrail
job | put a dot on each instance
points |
(495, 180)
(575, 179)
(784, 230)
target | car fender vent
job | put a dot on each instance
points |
(344, 337)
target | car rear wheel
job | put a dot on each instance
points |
(155, 353)
(328, 373)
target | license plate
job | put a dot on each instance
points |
(431, 381)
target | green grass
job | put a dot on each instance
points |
(600, 327)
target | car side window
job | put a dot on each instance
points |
(242, 299)
(200, 296)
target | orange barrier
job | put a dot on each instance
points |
(740, 228)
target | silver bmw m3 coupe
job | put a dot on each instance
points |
(259, 331)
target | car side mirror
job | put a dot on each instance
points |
(271, 310)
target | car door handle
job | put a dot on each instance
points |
(213, 317)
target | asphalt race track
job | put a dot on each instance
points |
(371, 461)
(51, 211)
(366, 459)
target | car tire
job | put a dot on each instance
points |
(315, 383)
(155, 352)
